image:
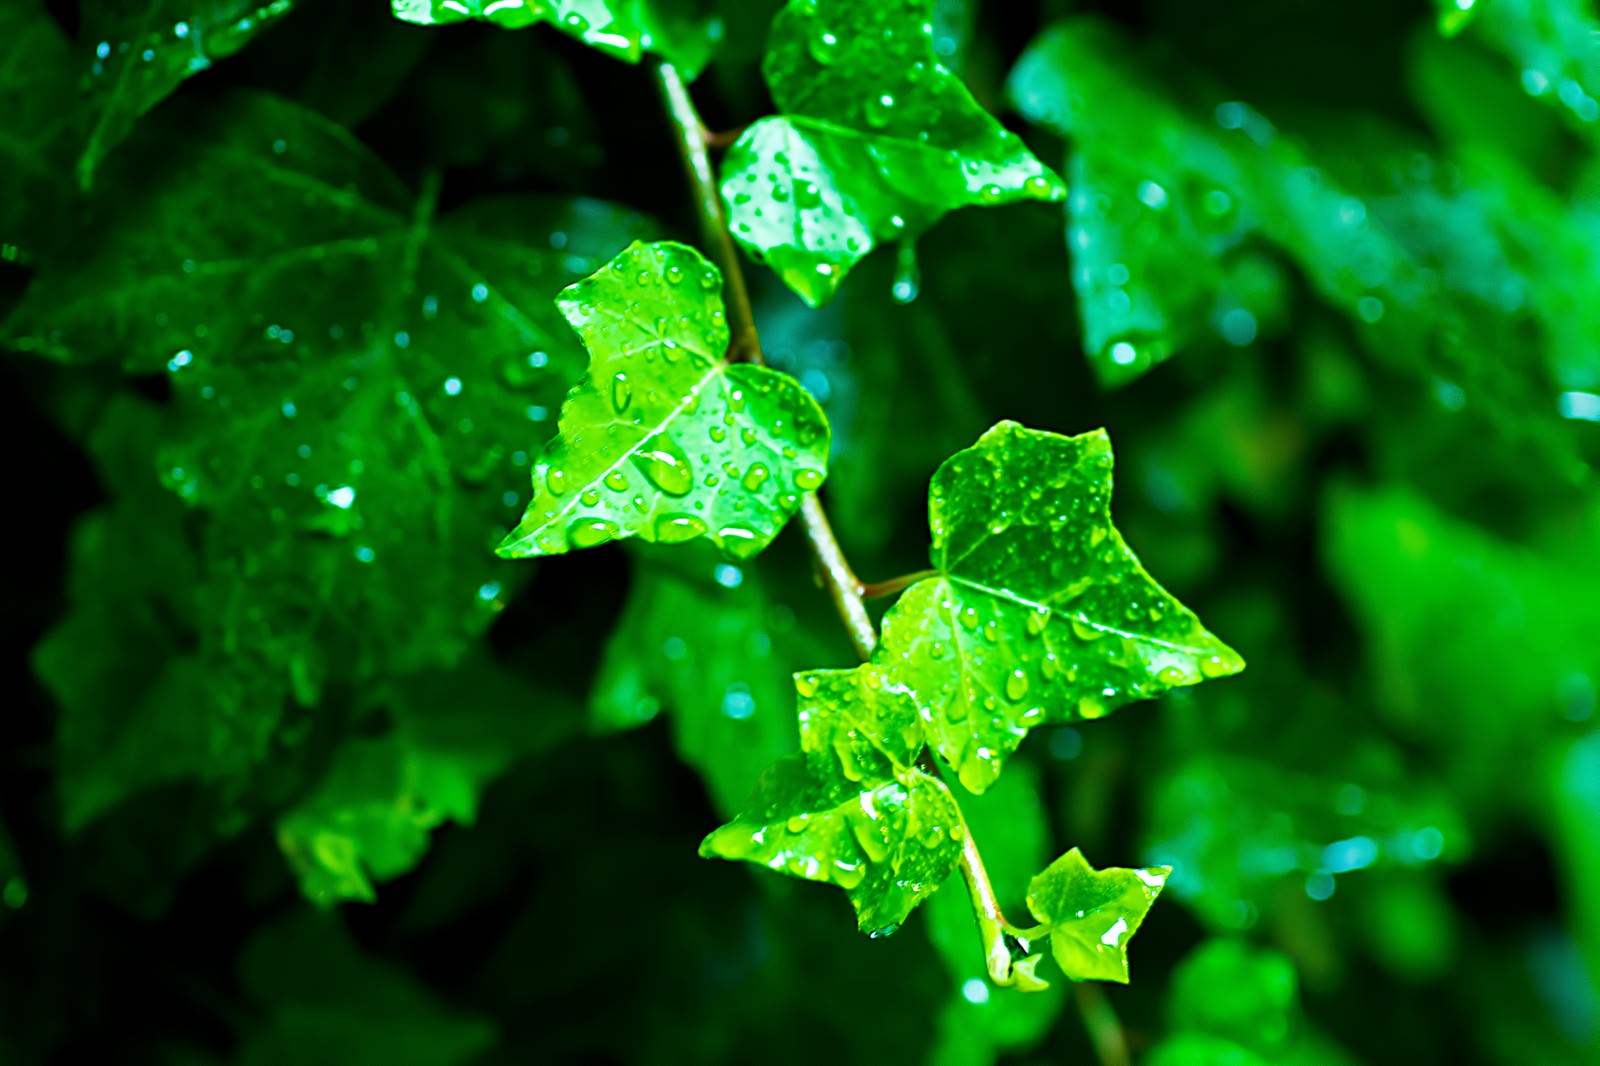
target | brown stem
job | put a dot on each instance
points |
(877, 590)
(745, 343)
(1105, 1029)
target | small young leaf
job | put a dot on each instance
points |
(1040, 611)
(663, 440)
(1092, 914)
(875, 140)
(144, 49)
(683, 31)
(852, 810)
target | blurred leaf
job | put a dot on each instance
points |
(329, 1004)
(875, 140)
(1039, 611)
(682, 31)
(852, 810)
(1553, 41)
(1459, 619)
(143, 49)
(453, 732)
(1092, 914)
(657, 393)
(716, 652)
(35, 58)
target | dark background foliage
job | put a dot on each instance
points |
(1391, 514)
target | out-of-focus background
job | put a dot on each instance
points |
(294, 771)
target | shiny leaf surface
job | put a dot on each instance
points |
(682, 31)
(1092, 914)
(875, 140)
(663, 440)
(1040, 612)
(852, 809)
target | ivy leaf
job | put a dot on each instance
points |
(348, 373)
(683, 31)
(708, 644)
(1092, 914)
(851, 809)
(453, 733)
(141, 50)
(1157, 225)
(663, 440)
(1040, 612)
(876, 139)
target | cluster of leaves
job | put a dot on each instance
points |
(315, 291)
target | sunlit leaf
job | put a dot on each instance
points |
(851, 810)
(875, 140)
(684, 31)
(1040, 612)
(1092, 914)
(664, 440)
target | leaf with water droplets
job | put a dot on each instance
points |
(875, 140)
(663, 440)
(136, 52)
(347, 376)
(1040, 612)
(1092, 914)
(683, 31)
(852, 809)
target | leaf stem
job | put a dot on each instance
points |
(1105, 1028)
(877, 590)
(844, 588)
(693, 141)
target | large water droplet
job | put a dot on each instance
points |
(590, 532)
(1016, 685)
(806, 480)
(621, 393)
(677, 528)
(756, 476)
(665, 465)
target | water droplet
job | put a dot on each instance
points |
(756, 476)
(590, 498)
(621, 393)
(677, 528)
(555, 480)
(739, 541)
(1215, 666)
(590, 532)
(664, 464)
(824, 47)
(1016, 685)
(806, 685)
(907, 273)
(878, 110)
(806, 480)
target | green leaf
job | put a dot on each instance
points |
(322, 1001)
(1040, 612)
(852, 809)
(35, 87)
(875, 140)
(371, 817)
(683, 31)
(1551, 42)
(141, 50)
(351, 377)
(664, 440)
(711, 647)
(1092, 914)
(1156, 224)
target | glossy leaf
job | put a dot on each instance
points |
(875, 140)
(1091, 914)
(1040, 612)
(1552, 42)
(683, 31)
(852, 809)
(663, 440)
(141, 50)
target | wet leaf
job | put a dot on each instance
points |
(1040, 612)
(1092, 914)
(664, 440)
(682, 31)
(716, 653)
(136, 52)
(875, 140)
(851, 809)
(35, 58)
